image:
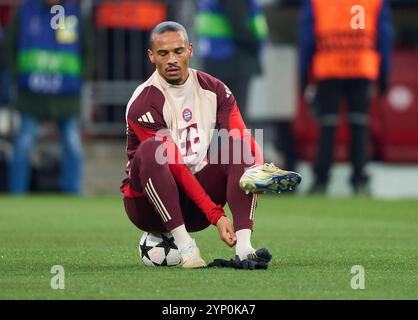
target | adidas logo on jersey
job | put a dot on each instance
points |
(146, 118)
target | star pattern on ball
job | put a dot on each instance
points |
(145, 249)
(156, 250)
(167, 244)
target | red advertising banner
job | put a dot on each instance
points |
(143, 15)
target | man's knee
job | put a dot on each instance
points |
(142, 215)
(240, 151)
(235, 151)
(151, 151)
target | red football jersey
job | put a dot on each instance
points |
(189, 113)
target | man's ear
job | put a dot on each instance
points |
(191, 49)
(151, 55)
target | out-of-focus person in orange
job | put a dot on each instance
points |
(346, 46)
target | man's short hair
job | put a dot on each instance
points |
(167, 26)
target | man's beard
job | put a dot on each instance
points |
(174, 81)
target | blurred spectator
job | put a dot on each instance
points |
(230, 37)
(47, 62)
(349, 48)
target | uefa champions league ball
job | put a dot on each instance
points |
(158, 250)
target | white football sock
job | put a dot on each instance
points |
(181, 236)
(243, 246)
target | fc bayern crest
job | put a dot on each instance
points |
(187, 114)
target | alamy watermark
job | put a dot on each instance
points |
(58, 20)
(358, 21)
(358, 281)
(193, 145)
(58, 280)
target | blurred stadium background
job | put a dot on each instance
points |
(120, 64)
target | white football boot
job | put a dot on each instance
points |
(190, 256)
(268, 178)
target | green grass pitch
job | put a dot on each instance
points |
(315, 241)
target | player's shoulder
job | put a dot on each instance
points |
(209, 82)
(145, 97)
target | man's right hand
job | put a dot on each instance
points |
(226, 231)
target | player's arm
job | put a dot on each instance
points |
(229, 118)
(181, 173)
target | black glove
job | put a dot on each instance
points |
(250, 264)
(383, 84)
(220, 263)
(238, 264)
